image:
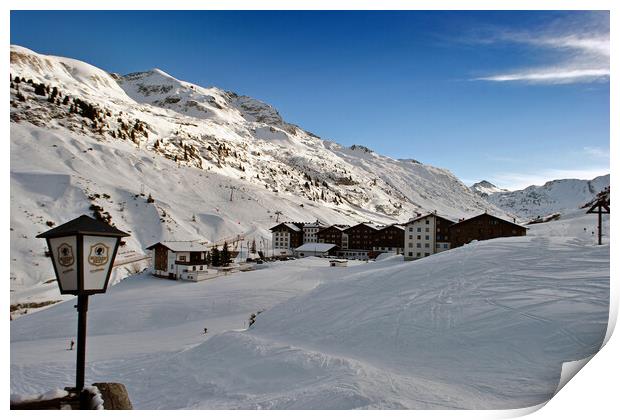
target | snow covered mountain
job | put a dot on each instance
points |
(559, 196)
(218, 165)
(485, 188)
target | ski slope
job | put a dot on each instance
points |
(484, 326)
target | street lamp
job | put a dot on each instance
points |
(83, 252)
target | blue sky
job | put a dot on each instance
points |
(516, 98)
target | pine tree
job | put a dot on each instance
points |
(253, 247)
(215, 257)
(39, 89)
(225, 256)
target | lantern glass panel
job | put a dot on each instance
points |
(64, 253)
(98, 254)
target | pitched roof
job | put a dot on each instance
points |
(290, 225)
(315, 246)
(338, 227)
(397, 226)
(314, 224)
(370, 225)
(293, 226)
(424, 216)
(490, 215)
(181, 246)
(83, 225)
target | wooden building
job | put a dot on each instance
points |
(483, 227)
(334, 235)
(390, 239)
(179, 260)
(362, 236)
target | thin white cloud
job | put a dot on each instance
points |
(579, 51)
(551, 76)
(519, 181)
(596, 152)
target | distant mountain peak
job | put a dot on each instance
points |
(485, 188)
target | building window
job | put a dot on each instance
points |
(428, 230)
(410, 236)
(182, 258)
(411, 229)
(411, 254)
(193, 268)
(445, 246)
(419, 254)
(419, 229)
(427, 221)
(427, 245)
(410, 245)
(426, 254)
(419, 237)
(201, 268)
(427, 237)
(418, 245)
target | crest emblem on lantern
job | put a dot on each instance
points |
(99, 254)
(65, 255)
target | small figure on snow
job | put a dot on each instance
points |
(71, 344)
(205, 331)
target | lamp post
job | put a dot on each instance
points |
(82, 252)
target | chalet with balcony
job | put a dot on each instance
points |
(361, 237)
(334, 235)
(179, 260)
(482, 227)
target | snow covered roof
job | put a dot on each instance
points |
(315, 246)
(182, 246)
(316, 224)
(490, 215)
(339, 227)
(424, 216)
(292, 226)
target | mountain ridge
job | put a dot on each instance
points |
(218, 165)
(556, 196)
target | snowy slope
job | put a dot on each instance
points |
(484, 188)
(559, 196)
(99, 139)
(487, 325)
